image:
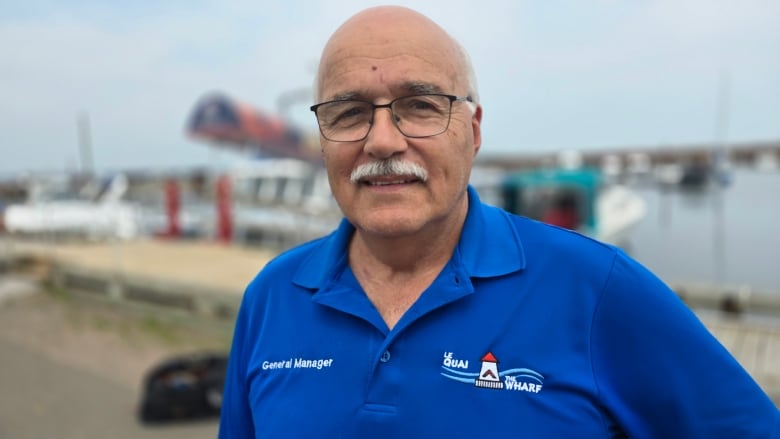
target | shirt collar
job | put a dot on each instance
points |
(489, 246)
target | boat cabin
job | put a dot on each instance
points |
(562, 197)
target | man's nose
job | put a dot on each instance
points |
(384, 139)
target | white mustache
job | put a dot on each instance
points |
(385, 168)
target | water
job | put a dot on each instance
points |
(729, 237)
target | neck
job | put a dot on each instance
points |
(394, 272)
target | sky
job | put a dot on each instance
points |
(553, 74)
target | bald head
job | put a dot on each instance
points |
(391, 35)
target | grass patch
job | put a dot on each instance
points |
(141, 323)
(61, 294)
(159, 330)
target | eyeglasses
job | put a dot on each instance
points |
(415, 116)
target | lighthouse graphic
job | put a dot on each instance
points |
(488, 375)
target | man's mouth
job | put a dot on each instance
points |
(390, 172)
(388, 181)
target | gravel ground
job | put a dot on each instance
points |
(118, 341)
(79, 337)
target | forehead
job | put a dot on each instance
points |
(376, 57)
(372, 77)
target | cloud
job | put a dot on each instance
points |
(568, 74)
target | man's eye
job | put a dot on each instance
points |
(423, 105)
(352, 112)
(345, 114)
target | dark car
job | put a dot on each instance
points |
(183, 388)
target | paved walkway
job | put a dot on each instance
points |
(43, 398)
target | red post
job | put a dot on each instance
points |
(172, 208)
(224, 210)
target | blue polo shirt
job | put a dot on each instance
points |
(528, 331)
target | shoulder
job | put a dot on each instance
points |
(280, 271)
(602, 271)
(291, 259)
(569, 249)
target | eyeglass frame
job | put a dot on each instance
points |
(389, 106)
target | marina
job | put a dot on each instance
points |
(157, 159)
(714, 235)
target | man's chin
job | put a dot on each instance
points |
(390, 226)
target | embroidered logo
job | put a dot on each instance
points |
(489, 377)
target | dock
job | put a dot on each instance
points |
(204, 277)
(209, 278)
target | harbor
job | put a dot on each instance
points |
(156, 159)
(716, 235)
(99, 313)
(187, 245)
(714, 245)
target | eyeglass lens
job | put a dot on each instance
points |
(415, 116)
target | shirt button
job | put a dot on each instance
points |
(385, 357)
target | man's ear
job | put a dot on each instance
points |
(476, 126)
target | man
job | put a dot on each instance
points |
(428, 314)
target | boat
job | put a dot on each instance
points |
(61, 207)
(95, 212)
(574, 198)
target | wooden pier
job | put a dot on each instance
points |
(754, 340)
(209, 278)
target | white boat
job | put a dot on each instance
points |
(95, 212)
(618, 210)
(59, 213)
